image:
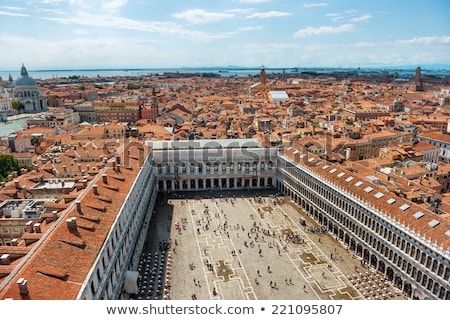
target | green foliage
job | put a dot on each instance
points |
(81, 87)
(8, 165)
(16, 105)
(132, 86)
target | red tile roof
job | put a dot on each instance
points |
(60, 264)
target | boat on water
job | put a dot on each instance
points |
(223, 71)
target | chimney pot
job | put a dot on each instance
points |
(95, 187)
(37, 227)
(29, 227)
(105, 178)
(23, 287)
(72, 223)
(79, 206)
(5, 259)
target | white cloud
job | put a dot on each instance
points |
(362, 18)
(50, 1)
(164, 28)
(13, 14)
(251, 28)
(311, 31)
(113, 6)
(199, 16)
(242, 11)
(311, 5)
(334, 16)
(12, 8)
(424, 40)
(254, 1)
(268, 14)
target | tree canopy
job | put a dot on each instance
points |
(8, 165)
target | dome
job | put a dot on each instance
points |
(24, 79)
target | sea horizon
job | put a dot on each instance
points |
(51, 73)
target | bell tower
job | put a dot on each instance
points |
(262, 75)
(154, 106)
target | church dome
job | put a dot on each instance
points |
(24, 79)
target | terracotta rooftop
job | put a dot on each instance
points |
(63, 258)
(422, 222)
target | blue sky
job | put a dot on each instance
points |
(58, 34)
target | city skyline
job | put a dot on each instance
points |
(52, 34)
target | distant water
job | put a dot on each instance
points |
(223, 72)
(92, 73)
(6, 128)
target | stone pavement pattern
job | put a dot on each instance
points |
(234, 246)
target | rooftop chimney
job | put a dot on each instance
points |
(78, 202)
(105, 178)
(72, 223)
(17, 184)
(95, 189)
(5, 259)
(37, 227)
(118, 167)
(23, 288)
(14, 242)
(29, 227)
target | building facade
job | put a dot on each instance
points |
(213, 165)
(405, 242)
(31, 100)
(121, 110)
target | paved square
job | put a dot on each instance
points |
(240, 246)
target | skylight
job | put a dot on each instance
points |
(433, 223)
(341, 174)
(333, 170)
(368, 189)
(403, 207)
(378, 195)
(391, 201)
(418, 214)
(311, 159)
(349, 179)
(358, 184)
(325, 167)
(447, 233)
